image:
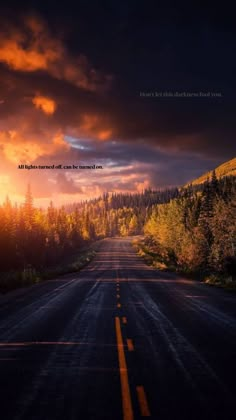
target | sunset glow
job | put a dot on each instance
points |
(72, 106)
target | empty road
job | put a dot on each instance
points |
(119, 340)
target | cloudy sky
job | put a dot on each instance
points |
(145, 91)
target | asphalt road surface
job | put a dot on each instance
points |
(118, 341)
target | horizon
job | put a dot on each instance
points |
(44, 203)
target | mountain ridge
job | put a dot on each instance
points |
(227, 168)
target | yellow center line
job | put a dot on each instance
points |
(143, 404)
(118, 305)
(124, 320)
(125, 389)
(118, 296)
(130, 344)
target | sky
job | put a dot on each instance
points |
(145, 91)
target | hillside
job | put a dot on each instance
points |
(226, 169)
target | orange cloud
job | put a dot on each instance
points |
(47, 105)
(18, 148)
(105, 134)
(33, 49)
(28, 60)
(96, 126)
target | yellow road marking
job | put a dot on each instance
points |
(118, 305)
(118, 296)
(143, 404)
(130, 344)
(125, 389)
(124, 320)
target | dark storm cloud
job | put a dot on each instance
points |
(196, 125)
(80, 47)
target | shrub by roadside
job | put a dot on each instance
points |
(147, 251)
(18, 279)
(220, 281)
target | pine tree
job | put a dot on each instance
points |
(28, 208)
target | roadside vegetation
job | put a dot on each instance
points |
(195, 234)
